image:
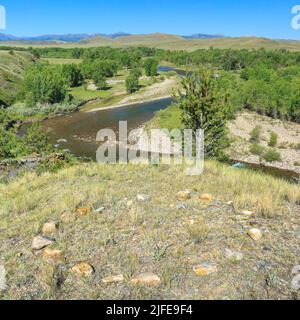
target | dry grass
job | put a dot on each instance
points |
(169, 41)
(153, 236)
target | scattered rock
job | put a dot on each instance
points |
(100, 210)
(247, 213)
(255, 234)
(233, 255)
(50, 228)
(62, 141)
(41, 242)
(296, 270)
(53, 254)
(184, 195)
(83, 269)
(113, 279)
(205, 269)
(296, 283)
(84, 211)
(206, 197)
(181, 207)
(2, 278)
(129, 203)
(148, 279)
(143, 198)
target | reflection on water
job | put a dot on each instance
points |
(80, 129)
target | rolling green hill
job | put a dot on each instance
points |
(12, 65)
(168, 41)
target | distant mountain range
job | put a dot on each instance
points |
(204, 36)
(85, 36)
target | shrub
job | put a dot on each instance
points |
(199, 231)
(255, 134)
(273, 140)
(257, 149)
(272, 155)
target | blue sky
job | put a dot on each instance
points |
(269, 18)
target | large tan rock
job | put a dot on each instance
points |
(183, 195)
(83, 269)
(255, 234)
(50, 228)
(113, 279)
(41, 242)
(53, 254)
(206, 197)
(205, 269)
(148, 279)
(84, 211)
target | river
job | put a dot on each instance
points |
(77, 131)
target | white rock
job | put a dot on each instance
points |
(40, 242)
(100, 210)
(296, 283)
(296, 270)
(2, 278)
(143, 198)
(255, 234)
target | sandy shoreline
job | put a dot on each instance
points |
(127, 104)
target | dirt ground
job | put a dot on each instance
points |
(288, 139)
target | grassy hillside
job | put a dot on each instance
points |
(12, 65)
(172, 42)
(162, 235)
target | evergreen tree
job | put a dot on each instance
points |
(202, 108)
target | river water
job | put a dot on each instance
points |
(77, 131)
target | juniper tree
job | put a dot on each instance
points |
(203, 108)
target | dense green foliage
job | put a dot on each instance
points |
(132, 81)
(14, 146)
(202, 108)
(267, 82)
(151, 67)
(44, 84)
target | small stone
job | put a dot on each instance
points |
(242, 218)
(113, 279)
(296, 270)
(181, 207)
(148, 279)
(40, 242)
(296, 283)
(84, 211)
(143, 198)
(233, 255)
(2, 278)
(83, 269)
(206, 197)
(100, 210)
(184, 195)
(255, 234)
(50, 228)
(53, 254)
(129, 203)
(205, 269)
(247, 213)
